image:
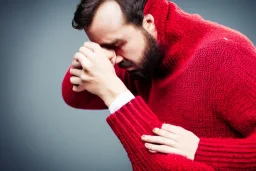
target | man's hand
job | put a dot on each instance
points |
(172, 139)
(75, 71)
(97, 74)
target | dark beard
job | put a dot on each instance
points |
(150, 61)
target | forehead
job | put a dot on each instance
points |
(107, 23)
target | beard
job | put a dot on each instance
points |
(151, 59)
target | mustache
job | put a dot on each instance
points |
(125, 64)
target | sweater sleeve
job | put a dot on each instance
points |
(237, 87)
(79, 100)
(84, 99)
(133, 120)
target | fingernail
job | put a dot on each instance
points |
(155, 129)
(143, 137)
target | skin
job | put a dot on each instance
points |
(127, 40)
(114, 41)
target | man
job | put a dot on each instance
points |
(181, 90)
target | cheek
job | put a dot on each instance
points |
(132, 53)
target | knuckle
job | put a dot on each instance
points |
(81, 49)
(97, 45)
(190, 133)
(168, 127)
(162, 148)
(179, 128)
(178, 137)
(82, 76)
(163, 133)
(77, 53)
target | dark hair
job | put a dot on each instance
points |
(86, 9)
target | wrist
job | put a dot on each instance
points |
(112, 92)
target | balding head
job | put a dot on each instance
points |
(86, 9)
(108, 19)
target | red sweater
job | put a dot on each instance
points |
(207, 86)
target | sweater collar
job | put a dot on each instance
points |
(177, 33)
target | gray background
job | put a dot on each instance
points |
(38, 131)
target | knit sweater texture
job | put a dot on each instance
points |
(206, 84)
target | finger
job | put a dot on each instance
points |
(113, 60)
(151, 151)
(162, 149)
(94, 47)
(158, 140)
(78, 88)
(75, 72)
(86, 52)
(166, 134)
(172, 128)
(85, 77)
(75, 80)
(76, 64)
(110, 54)
(84, 61)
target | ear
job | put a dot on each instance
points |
(149, 24)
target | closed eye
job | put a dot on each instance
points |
(119, 45)
(115, 45)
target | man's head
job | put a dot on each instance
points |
(122, 26)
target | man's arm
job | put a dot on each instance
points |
(135, 119)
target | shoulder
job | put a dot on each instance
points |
(228, 57)
(225, 44)
(220, 36)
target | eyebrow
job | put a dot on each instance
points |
(110, 45)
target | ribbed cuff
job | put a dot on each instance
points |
(121, 100)
(228, 153)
